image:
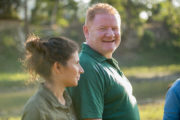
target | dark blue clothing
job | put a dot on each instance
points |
(172, 104)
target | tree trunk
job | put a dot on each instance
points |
(26, 24)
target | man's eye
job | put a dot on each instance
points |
(102, 28)
(114, 28)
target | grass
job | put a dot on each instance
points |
(151, 111)
(11, 118)
(14, 92)
(150, 90)
(144, 71)
(13, 76)
(148, 111)
(14, 99)
(12, 79)
(13, 103)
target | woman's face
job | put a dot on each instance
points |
(70, 73)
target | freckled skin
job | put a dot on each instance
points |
(103, 34)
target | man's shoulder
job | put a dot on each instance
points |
(87, 60)
(86, 57)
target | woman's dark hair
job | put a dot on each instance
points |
(42, 54)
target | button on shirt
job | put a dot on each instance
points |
(45, 106)
(103, 91)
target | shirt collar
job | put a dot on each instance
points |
(49, 96)
(87, 49)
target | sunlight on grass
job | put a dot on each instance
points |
(144, 71)
(15, 99)
(11, 118)
(151, 111)
(13, 76)
(13, 102)
(14, 118)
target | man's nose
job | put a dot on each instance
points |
(110, 33)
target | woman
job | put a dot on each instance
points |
(57, 62)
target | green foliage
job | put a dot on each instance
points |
(60, 11)
(148, 39)
(9, 51)
(169, 15)
(6, 39)
(9, 9)
(63, 22)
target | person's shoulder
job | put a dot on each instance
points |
(84, 58)
(32, 108)
(35, 102)
(88, 61)
(176, 85)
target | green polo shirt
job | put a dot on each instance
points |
(103, 91)
(45, 106)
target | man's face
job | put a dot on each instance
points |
(103, 34)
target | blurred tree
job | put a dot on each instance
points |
(12, 35)
(55, 17)
(57, 12)
(169, 16)
(8, 9)
(26, 22)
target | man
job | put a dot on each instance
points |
(103, 91)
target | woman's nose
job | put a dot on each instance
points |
(81, 70)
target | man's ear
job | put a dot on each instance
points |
(86, 31)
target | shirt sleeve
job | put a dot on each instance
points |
(88, 96)
(172, 105)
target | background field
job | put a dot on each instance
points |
(149, 53)
(149, 91)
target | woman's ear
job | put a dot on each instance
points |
(57, 67)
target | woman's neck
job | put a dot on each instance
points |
(57, 90)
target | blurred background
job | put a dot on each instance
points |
(149, 54)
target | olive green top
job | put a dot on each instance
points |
(44, 106)
(103, 91)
